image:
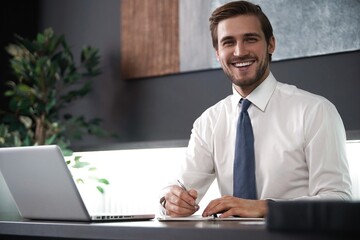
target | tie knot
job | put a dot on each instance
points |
(245, 104)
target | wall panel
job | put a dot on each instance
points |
(149, 38)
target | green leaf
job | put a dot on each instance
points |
(40, 38)
(101, 190)
(79, 164)
(51, 140)
(17, 141)
(78, 93)
(50, 105)
(79, 180)
(103, 180)
(9, 93)
(90, 58)
(66, 152)
(27, 121)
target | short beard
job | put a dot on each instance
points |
(259, 74)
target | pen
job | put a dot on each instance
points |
(185, 189)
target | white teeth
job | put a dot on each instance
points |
(242, 64)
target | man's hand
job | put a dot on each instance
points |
(180, 203)
(232, 206)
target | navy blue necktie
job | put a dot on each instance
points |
(244, 162)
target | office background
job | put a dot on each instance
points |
(164, 107)
(159, 109)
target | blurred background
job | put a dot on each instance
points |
(160, 108)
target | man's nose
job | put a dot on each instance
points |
(240, 49)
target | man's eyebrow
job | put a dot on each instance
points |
(226, 38)
(252, 34)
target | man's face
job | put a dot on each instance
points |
(243, 52)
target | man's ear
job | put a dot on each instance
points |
(271, 45)
(217, 55)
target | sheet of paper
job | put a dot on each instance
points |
(211, 218)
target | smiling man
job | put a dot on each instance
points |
(243, 52)
(268, 140)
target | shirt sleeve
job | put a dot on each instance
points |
(325, 153)
(197, 171)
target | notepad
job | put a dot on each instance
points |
(201, 218)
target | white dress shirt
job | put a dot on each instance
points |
(299, 142)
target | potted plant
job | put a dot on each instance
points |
(46, 81)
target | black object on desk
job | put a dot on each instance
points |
(319, 215)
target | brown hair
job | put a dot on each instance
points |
(236, 8)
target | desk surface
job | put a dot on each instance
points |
(12, 227)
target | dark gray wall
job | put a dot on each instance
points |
(164, 108)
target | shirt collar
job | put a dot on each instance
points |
(261, 95)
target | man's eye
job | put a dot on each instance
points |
(251, 40)
(227, 43)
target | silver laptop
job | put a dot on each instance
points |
(43, 188)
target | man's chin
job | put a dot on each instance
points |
(243, 82)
